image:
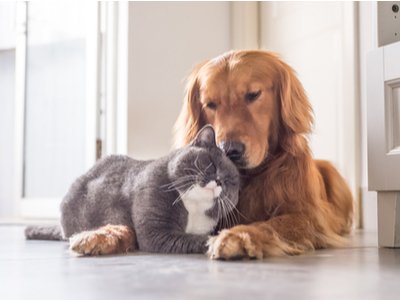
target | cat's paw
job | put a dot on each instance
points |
(109, 239)
(230, 244)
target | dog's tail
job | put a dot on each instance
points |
(44, 233)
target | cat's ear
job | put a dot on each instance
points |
(205, 137)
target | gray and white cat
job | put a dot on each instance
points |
(172, 203)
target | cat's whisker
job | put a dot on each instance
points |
(219, 214)
(234, 218)
(180, 185)
(225, 215)
(231, 215)
(175, 188)
(184, 178)
(230, 207)
(223, 218)
(275, 211)
(179, 198)
(235, 208)
(195, 171)
(235, 215)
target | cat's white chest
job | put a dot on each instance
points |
(197, 201)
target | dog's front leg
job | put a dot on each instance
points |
(283, 235)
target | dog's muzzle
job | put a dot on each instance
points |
(235, 151)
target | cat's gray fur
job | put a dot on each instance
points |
(145, 195)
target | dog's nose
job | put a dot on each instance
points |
(234, 150)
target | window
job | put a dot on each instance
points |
(63, 98)
(54, 145)
(56, 101)
(7, 96)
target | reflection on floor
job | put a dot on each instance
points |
(45, 270)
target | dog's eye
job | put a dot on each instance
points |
(252, 96)
(211, 105)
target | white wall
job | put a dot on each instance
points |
(165, 41)
(318, 40)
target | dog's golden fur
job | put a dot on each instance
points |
(289, 203)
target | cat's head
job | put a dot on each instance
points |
(202, 172)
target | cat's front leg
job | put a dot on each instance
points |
(172, 242)
(105, 240)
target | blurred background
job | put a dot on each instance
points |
(79, 81)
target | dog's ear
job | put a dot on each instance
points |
(190, 119)
(296, 111)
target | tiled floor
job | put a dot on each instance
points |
(45, 270)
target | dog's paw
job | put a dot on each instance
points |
(109, 239)
(229, 244)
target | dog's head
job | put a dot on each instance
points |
(253, 100)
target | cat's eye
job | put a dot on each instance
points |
(252, 96)
(211, 105)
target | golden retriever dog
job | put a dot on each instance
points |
(289, 202)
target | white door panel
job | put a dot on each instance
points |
(383, 109)
(383, 84)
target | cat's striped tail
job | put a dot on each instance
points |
(44, 233)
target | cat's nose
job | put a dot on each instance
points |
(234, 150)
